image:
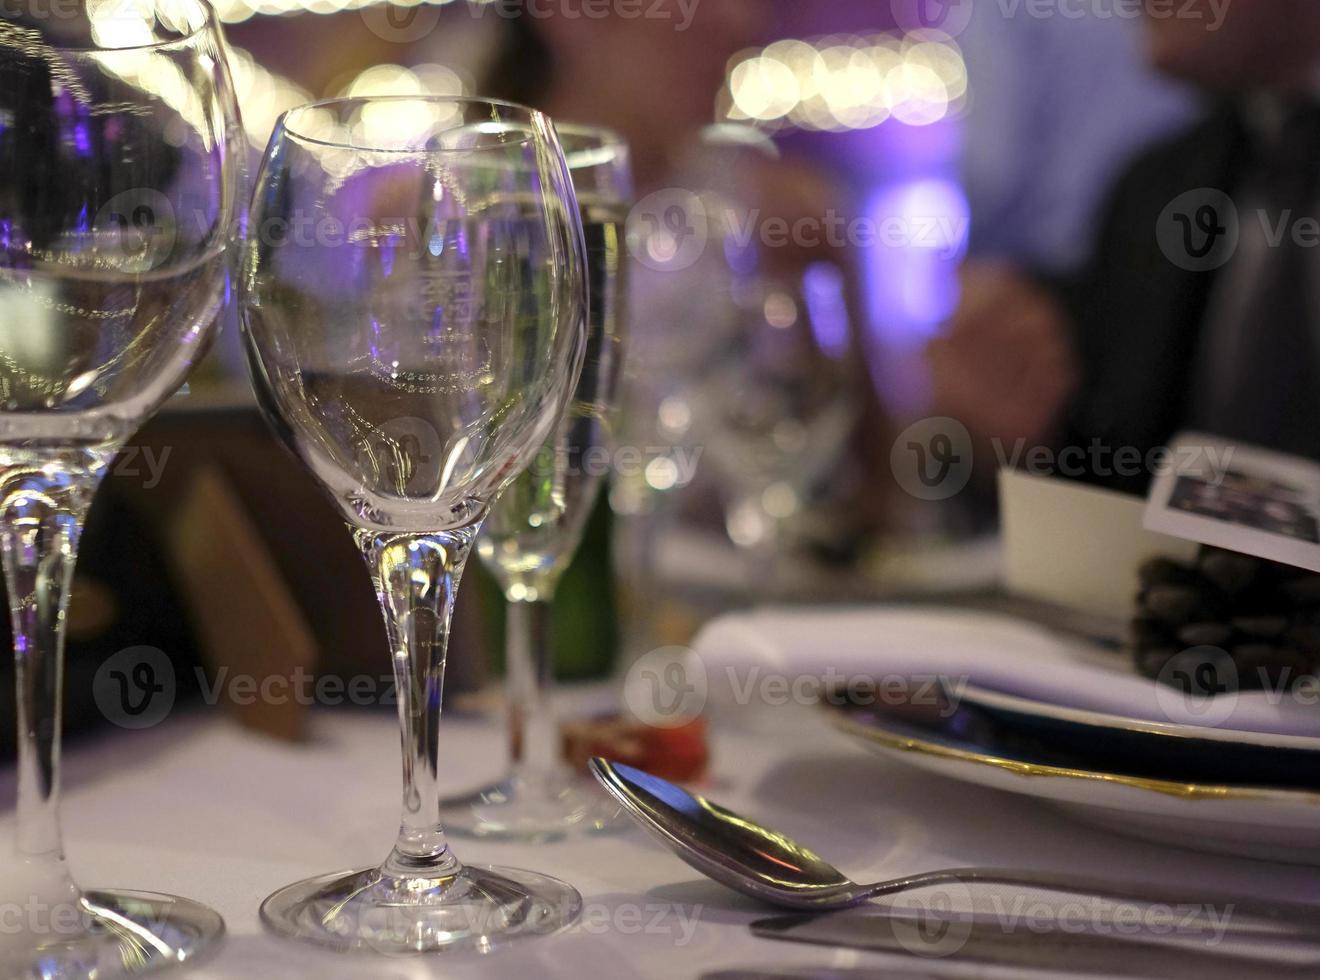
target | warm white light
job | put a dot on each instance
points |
(917, 95)
(234, 11)
(121, 23)
(764, 88)
(841, 83)
(263, 96)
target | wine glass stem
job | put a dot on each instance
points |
(529, 669)
(41, 516)
(416, 579)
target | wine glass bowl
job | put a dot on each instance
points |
(412, 350)
(777, 404)
(778, 395)
(413, 304)
(120, 184)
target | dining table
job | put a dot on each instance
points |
(199, 806)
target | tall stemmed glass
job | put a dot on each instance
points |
(776, 408)
(413, 313)
(537, 524)
(119, 194)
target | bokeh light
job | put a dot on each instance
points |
(841, 83)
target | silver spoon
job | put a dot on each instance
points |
(777, 870)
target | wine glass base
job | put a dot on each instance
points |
(532, 809)
(477, 910)
(116, 934)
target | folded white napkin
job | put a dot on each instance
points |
(740, 651)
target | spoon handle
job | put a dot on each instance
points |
(1299, 917)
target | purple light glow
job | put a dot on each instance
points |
(823, 290)
(912, 273)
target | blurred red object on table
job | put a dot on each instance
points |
(678, 753)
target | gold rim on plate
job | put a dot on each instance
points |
(1187, 791)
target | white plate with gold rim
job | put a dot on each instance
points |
(1245, 821)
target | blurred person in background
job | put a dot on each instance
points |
(651, 75)
(1199, 305)
(1059, 106)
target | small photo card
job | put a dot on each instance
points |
(1240, 497)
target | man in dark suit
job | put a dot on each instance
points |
(1200, 307)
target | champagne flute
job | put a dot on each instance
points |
(120, 190)
(413, 316)
(537, 524)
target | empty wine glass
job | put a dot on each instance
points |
(777, 406)
(414, 308)
(120, 189)
(537, 524)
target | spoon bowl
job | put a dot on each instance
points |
(770, 867)
(729, 848)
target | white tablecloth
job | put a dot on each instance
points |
(200, 808)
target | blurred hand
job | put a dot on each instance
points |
(1004, 367)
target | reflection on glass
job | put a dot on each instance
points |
(413, 315)
(777, 407)
(534, 529)
(119, 196)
